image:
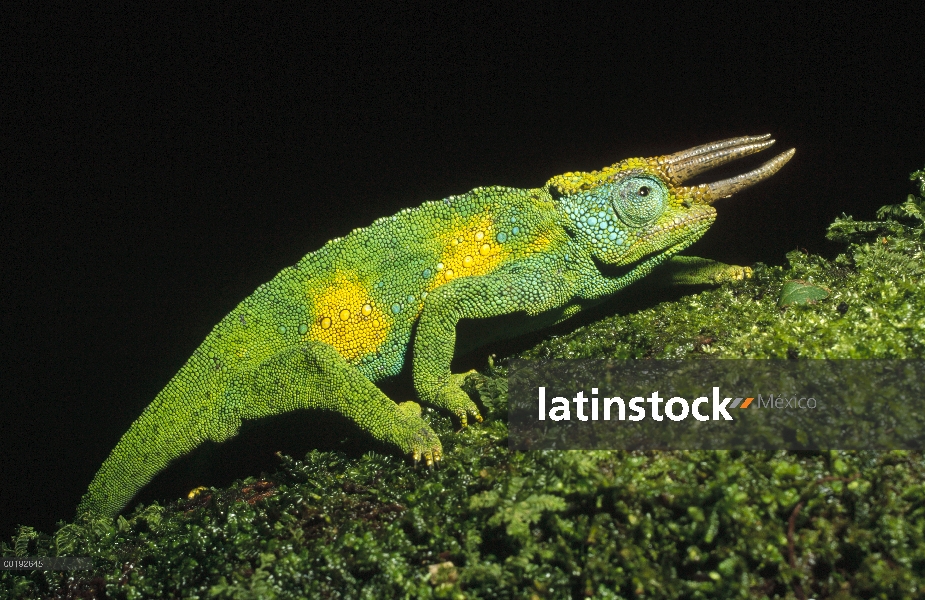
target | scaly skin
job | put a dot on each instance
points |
(322, 332)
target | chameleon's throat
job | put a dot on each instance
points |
(618, 271)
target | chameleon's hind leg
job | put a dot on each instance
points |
(314, 375)
(691, 270)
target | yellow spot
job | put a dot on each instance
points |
(360, 327)
(196, 492)
(473, 255)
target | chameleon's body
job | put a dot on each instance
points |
(323, 331)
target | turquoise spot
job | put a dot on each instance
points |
(303, 328)
(592, 220)
(516, 230)
(603, 225)
(426, 273)
(612, 236)
(396, 308)
(282, 329)
(513, 219)
(410, 298)
(501, 237)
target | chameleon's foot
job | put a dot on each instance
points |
(454, 399)
(423, 443)
(733, 273)
(691, 270)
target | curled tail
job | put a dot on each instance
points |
(182, 416)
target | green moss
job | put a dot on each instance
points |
(493, 524)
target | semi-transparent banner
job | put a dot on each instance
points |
(717, 404)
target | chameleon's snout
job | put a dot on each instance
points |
(683, 165)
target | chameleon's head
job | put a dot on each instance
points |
(637, 213)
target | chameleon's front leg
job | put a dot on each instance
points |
(692, 270)
(499, 293)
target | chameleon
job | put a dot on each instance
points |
(324, 331)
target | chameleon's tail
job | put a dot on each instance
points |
(179, 419)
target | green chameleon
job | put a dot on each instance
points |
(322, 332)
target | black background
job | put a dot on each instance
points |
(162, 163)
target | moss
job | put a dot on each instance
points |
(495, 524)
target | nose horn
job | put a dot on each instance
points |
(727, 187)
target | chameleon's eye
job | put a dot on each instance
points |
(638, 200)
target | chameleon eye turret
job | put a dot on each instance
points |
(639, 200)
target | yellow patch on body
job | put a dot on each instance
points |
(347, 318)
(471, 249)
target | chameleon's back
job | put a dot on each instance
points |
(363, 293)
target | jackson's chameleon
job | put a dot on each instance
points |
(322, 332)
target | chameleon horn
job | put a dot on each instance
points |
(728, 187)
(683, 165)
